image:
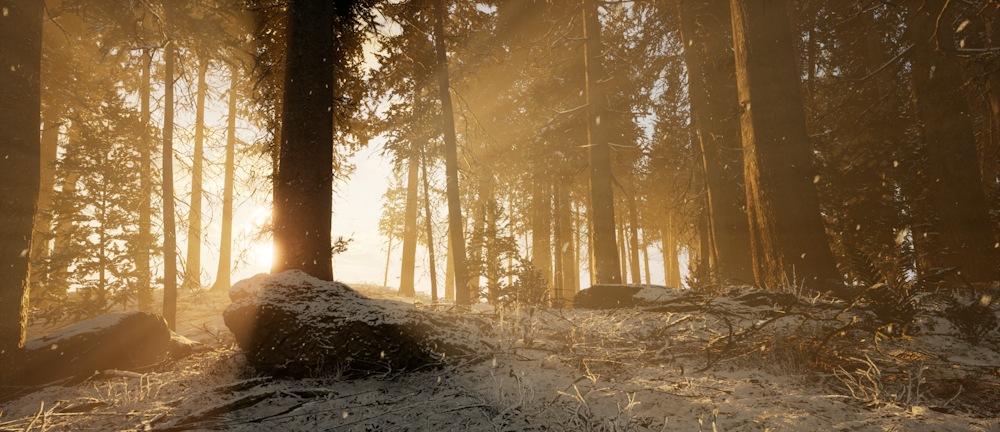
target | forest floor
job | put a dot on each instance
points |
(618, 370)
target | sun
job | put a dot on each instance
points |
(262, 253)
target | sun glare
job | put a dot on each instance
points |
(264, 252)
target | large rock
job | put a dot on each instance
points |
(294, 325)
(609, 296)
(114, 341)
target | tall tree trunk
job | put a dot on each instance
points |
(645, 258)
(671, 264)
(480, 215)
(462, 294)
(602, 195)
(964, 229)
(559, 275)
(144, 290)
(169, 229)
(575, 257)
(192, 274)
(388, 257)
(449, 272)
(566, 244)
(430, 228)
(633, 241)
(20, 117)
(409, 263)
(303, 194)
(712, 90)
(622, 255)
(43, 218)
(591, 259)
(541, 255)
(222, 281)
(787, 233)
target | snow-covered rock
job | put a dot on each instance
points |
(294, 325)
(114, 341)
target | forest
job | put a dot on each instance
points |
(619, 188)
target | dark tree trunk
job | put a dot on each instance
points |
(787, 233)
(192, 275)
(712, 90)
(607, 266)
(20, 117)
(409, 263)
(303, 194)
(169, 229)
(964, 229)
(456, 227)
(144, 290)
(222, 281)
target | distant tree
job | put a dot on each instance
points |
(96, 218)
(20, 117)
(222, 278)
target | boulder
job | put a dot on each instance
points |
(120, 341)
(610, 296)
(294, 325)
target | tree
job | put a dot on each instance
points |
(455, 224)
(20, 143)
(712, 90)
(965, 231)
(787, 233)
(222, 281)
(602, 196)
(192, 276)
(169, 228)
(303, 193)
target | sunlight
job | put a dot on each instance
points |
(262, 253)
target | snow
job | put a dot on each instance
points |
(599, 369)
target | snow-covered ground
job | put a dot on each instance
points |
(581, 370)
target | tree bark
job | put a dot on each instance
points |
(222, 275)
(462, 294)
(787, 233)
(144, 290)
(192, 274)
(607, 266)
(964, 229)
(406, 277)
(169, 229)
(303, 194)
(20, 117)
